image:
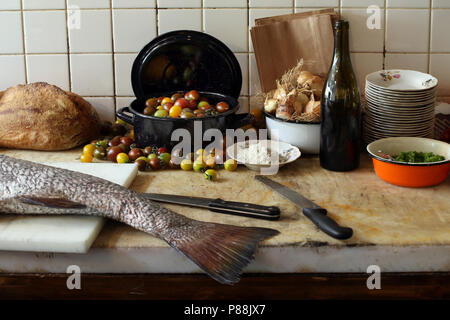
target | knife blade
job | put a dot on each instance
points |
(220, 206)
(315, 213)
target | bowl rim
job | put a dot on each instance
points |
(272, 117)
(233, 156)
(411, 164)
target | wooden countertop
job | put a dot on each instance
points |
(379, 213)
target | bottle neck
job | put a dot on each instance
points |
(341, 46)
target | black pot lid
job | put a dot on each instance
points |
(186, 60)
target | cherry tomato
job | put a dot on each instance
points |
(211, 175)
(142, 164)
(114, 141)
(219, 157)
(230, 165)
(162, 150)
(210, 161)
(152, 102)
(86, 158)
(122, 158)
(166, 100)
(222, 107)
(186, 165)
(152, 156)
(164, 158)
(167, 106)
(155, 164)
(135, 153)
(99, 153)
(161, 114)
(148, 150)
(89, 149)
(186, 115)
(175, 111)
(113, 152)
(176, 96)
(192, 104)
(199, 166)
(159, 100)
(203, 105)
(143, 158)
(173, 165)
(183, 103)
(126, 140)
(192, 95)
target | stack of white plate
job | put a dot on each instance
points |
(399, 103)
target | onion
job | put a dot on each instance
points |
(270, 105)
(312, 106)
(304, 77)
(285, 112)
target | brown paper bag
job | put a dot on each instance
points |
(280, 42)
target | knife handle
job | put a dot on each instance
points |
(326, 224)
(245, 209)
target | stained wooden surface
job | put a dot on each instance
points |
(379, 213)
(251, 287)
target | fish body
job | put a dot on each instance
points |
(222, 251)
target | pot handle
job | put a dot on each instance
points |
(121, 114)
(242, 119)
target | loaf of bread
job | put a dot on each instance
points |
(41, 116)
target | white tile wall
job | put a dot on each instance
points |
(95, 60)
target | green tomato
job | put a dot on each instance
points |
(199, 166)
(152, 156)
(211, 175)
(99, 153)
(164, 158)
(230, 165)
(102, 144)
(161, 114)
(186, 165)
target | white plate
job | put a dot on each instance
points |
(289, 152)
(393, 101)
(402, 109)
(402, 80)
(401, 94)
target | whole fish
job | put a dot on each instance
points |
(221, 250)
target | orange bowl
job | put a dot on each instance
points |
(410, 174)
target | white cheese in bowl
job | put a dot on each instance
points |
(258, 153)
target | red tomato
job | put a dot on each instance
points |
(126, 141)
(222, 107)
(183, 103)
(162, 150)
(192, 95)
(166, 106)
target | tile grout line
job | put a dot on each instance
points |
(69, 63)
(113, 56)
(384, 35)
(430, 16)
(23, 42)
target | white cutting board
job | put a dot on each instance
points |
(70, 234)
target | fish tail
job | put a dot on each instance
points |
(222, 251)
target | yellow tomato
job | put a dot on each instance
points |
(175, 111)
(210, 160)
(211, 175)
(230, 165)
(86, 158)
(122, 158)
(166, 100)
(186, 165)
(89, 149)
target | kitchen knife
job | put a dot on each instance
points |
(311, 210)
(219, 205)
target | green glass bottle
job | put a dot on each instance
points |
(340, 108)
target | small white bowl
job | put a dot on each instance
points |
(288, 152)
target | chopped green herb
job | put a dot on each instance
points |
(418, 157)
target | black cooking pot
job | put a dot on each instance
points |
(149, 130)
(180, 61)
